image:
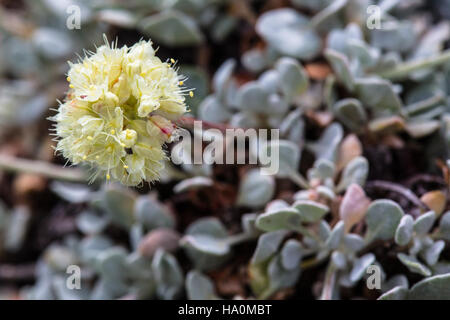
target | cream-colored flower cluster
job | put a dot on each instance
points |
(119, 112)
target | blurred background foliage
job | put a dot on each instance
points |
(353, 105)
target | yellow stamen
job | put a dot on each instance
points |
(71, 86)
(90, 138)
(125, 167)
(191, 94)
(172, 60)
(181, 83)
(84, 157)
(108, 176)
(68, 79)
(113, 131)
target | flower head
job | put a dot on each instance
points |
(118, 112)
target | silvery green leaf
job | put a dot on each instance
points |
(209, 226)
(432, 253)
(138, 266)
(326, 192)
(417, 246)
(338, 39)
(135, 234)
(108, 290)
(362, 55)
(360, 266)
(399, 280)
(339, 260)
(279, 106)
(287, 218)
(442, 267)
(15, 49)
(252, 97)
(117, 17)
(42, 290)
(172, 28)
(330, 94)
(206, 244)
(336, 236)
(211, 109)
(328, 19)
(397, 293)
(222, 27)
(279, 278)
(293, 78)
(404, 231)
(17, 229)
(270, 80)
(351, 113)
(433, 288)
(91, 247)
(119, 204)
(59, 8)
(353, 242)
(431, 43)
(444, 226)
(244, 120)
(328, 143)
(323, 169)
(199, 287)
(292, 126)
(394, 36)
(288, 157)
(324, 230)
(310, 211)
(52, 43)
(291, 254)
(382, 218)
(341, 68)
(90, 223)
(378, 94)
(414, 265)
(71, 192)
(267, 246)
(276, 204)
(419, 129)
(289, 33)
(60, 257)
(248, 222)
(355, 172)
(32, 109)
(153, 214)
(192, 184)
(254, 60)
(222, 77)
(313, 5)
(112, 264)
(168, 275)
(423, 223)
(255, 189)
(62, 292)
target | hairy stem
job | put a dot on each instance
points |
(299, 180)
(13, 164)
(329, 283)
(403, 70)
